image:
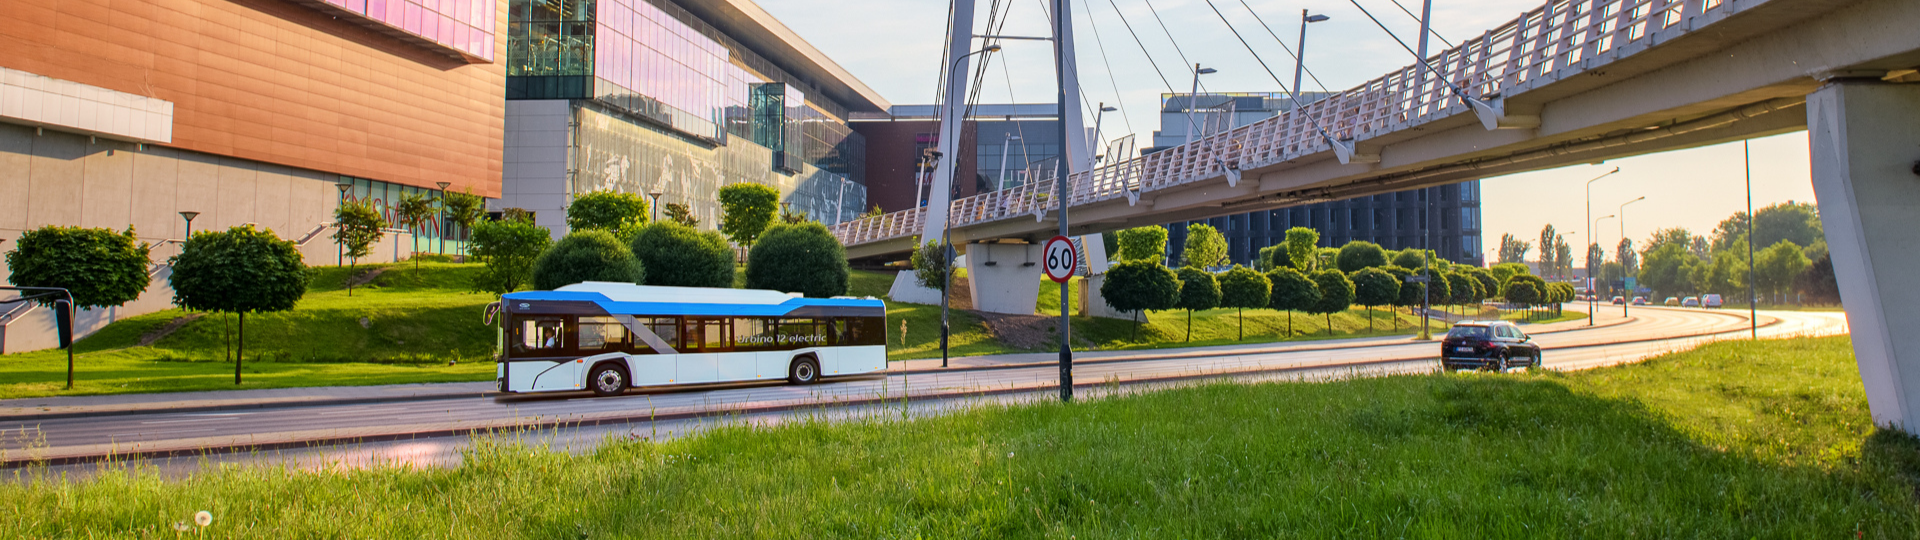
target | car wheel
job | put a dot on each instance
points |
(804, 370)
(607, 380)
(1506, 362)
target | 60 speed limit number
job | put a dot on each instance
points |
(1061, 258)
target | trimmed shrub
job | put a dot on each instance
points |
(801, 257)
(589, 255)
(681, 256)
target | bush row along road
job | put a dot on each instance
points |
(433, 431)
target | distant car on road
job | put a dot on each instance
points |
(1671, 301)
(1619, 300)
(1489, 345)
(1691, 301)
(1639, 300)
(1710, 300)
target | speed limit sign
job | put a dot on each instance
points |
(1061, 259)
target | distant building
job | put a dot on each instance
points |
(1398, 220)
(1004, 143)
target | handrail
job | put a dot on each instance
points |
(1554, 40)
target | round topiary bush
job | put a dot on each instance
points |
(682, 256)
(590, 255)
(802, 258)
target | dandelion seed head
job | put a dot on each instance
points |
(203, 518)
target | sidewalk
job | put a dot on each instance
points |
(59, 407)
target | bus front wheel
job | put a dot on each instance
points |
(804, 370)
(608, 380)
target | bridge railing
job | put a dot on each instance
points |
(1552, 40)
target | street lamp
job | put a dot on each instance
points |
(946, 235)
(1300, 52)
(1590, 242)
(1096, 130)
(340, 259)
(656, 204)
(1191, 96)
(189, 215)
(1006, 147)
(440, 221)
(1623, 263)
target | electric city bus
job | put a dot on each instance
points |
(607, 337)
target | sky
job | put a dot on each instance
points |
(894, 47)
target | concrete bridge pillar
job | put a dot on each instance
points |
(1005, 278)
(1092, 304)
(1865, 139)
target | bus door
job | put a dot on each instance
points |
(654, 365)
(699, 359)
(541, 358)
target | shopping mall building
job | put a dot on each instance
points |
(272, 112)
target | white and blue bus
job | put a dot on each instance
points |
(607, 337)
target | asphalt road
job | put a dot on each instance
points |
(432, 432)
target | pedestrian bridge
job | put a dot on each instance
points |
(1572, 81)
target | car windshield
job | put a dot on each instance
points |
(1480, 332)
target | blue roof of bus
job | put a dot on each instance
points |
(630, 299)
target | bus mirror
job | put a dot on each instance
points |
(63, 322)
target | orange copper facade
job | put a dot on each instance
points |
(278, 82)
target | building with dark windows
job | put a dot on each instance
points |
(1450, 225)
(1006, 143)
(129, 113)
(675, 98)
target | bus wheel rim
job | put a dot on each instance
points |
(806, 371)
(609, 380)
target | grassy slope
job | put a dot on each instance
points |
(416, 322)
(1734, 440)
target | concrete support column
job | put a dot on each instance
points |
(1865, 139)
(1005, 278)
(1092, 304)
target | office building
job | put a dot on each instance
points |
(675, 98)
(1008, 144)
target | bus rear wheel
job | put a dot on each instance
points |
(607, 380)
(804, 370)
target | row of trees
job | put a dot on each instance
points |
(1789, 258)
(1299, 276)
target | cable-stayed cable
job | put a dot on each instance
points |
(1430, 30)
(1176, 47)
(1144, 52)
(1119, 99)
(1283, 45)
(1276, 78)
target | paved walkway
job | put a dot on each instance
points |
(57, 407)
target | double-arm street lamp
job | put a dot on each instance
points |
(1193, 97)
(1300, 52)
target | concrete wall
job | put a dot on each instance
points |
(537, 145)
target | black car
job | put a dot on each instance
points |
(1494, 345)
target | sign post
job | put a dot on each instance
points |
(1061, 259)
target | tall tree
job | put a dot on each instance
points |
(241, 270)
(1513, 250)
(1547, 262)
(1136, 286)
(1336, 294)
(1671, 235)
(746, 210)
(1669, 269)
(1730, 232)
(356, 227)
(1562, 257)
(464, 209)
(1374, 287)
(1818, 282)
(1360, 254)
(1795, 222)
(1302, 249)
(1204, 248)
(1628, 259)
(415, 211)
(1147, 243)
(508, 247)
(1595, 258)
(1292, 291)
(1243, 288)
(1198, 290)
(1775, 268)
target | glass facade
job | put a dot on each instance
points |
(428, 237)
(466, 25)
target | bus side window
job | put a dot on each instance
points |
(755, 334)
(601, 333)
(667, 329)
(539, 334)
(869, 331)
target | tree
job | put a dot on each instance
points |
(508, 247)
(1410, 293)
(1461, 289)
(1336, 294)
(1147, 243)
(1374, 287)
(1775, 268)
(1562, 258)
(1669, 269)
(1205, 247)
(1794, 222)
(1629, 261)
(1243, 288)
(930, 265)
(1671, 235)
(791, 216)
(1512, 250)
(607, 211)
(680, 256)
(1818, 282)
(1360, 254)
(1525, 290)
(1730, 233)
(1271, 257)
(240, 270)
(1726, 275)
(1136, 286)
(1487, 286)
(464, 209)
(1412, 258)
(1595, 258)
(1329, 258)
(1292, 291)
(98, 266)
(746, 210)
(1504, 271)
(680, 213)
(415, 210)
(803, 258)
(587, 255)
(1302, 250)
(516, 214)
(1198, 290)
(356, 227)
(1547, 262)
(1435, 290)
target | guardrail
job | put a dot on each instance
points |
(1557, 39)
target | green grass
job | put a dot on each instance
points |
(1734, 440)
(1544, 316)
(416, 323)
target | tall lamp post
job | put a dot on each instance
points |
(189, 215)
(1300, 51)
(1006, 147)
(656, 204)
(1092, 149)
(1753, 300)
(1590, 242)
(946, 234)
(1194, 95)
(1623, 263)
(440, 221)
(340, 259)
